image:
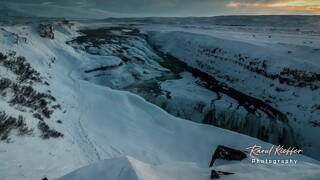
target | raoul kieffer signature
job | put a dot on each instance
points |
(276, 150)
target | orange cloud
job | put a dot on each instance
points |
(304, 5)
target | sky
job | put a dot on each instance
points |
(138, 8)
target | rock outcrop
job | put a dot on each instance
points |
(46, 31)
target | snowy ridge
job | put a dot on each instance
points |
(128, 168)
(117, 168)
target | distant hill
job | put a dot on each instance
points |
(266, 20)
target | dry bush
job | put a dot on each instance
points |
(47, 132)
(8, 123)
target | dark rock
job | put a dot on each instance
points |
(2, 56)
(214, 175)
(46, 31)
(226, 153)
(103, 68)
(315, 123)
(225, 173)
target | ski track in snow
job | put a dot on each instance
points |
(82, 138)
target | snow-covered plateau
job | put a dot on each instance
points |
(152, 98)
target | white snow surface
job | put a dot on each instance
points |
(129, 168)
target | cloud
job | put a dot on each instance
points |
(134, 8)
(298, 5)
(48, 9)
(139, 8)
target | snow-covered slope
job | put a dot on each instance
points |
(131, 169)
(259, 80)
(280, 69)
(128, 168)
(100, 123)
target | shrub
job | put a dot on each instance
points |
(26, 96)
(20, 67)
(47, 132)
(8, 123)
(5, 83)
(2, 56)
